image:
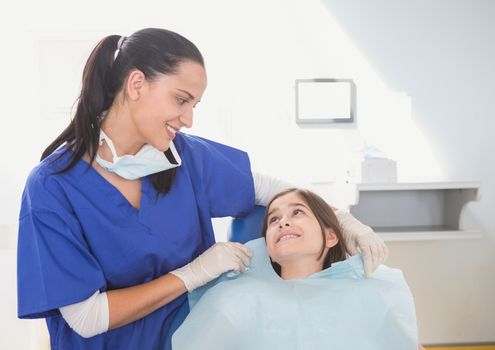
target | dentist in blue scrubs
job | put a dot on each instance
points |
(115, 222)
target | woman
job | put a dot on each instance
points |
(115, 222)
(300, 291)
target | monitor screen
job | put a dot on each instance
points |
(325, 100)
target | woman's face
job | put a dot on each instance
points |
(293, 232)
(165, 105)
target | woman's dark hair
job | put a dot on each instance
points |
(152, 51)
(326, 219)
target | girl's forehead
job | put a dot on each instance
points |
(288, 200)
(288, 197)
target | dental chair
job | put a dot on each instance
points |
(246, 228)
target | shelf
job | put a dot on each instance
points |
(416, 211)
(390, 235)
(415, 186)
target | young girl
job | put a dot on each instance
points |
(301, 292)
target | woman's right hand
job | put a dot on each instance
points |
(219, 258)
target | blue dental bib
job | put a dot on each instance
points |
(337, 308)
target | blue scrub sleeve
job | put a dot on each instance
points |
(54, 265)
(227, 178)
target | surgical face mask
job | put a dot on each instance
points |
(148, 160)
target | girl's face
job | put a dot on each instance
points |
(293, 232)
(163, 106)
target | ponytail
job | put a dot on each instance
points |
(83, 131)
(153, 51)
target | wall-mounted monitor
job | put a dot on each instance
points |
(321, 101)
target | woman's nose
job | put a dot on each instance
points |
(186, 118)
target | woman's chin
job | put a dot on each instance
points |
(162, 146)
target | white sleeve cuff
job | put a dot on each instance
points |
(89, 317)
(266, 187)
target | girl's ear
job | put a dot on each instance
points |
(331, 238)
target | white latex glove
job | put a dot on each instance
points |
(362, 239)
(219, 258)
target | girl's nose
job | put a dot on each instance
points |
(284, 222)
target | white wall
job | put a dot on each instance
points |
(441, 53)
(424, 78)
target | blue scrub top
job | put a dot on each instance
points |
(79, 234)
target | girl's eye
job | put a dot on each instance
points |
(272, 219)
(298, 211)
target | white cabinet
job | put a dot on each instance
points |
(416, 211)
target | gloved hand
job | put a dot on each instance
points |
(217, 259)
(360, 238)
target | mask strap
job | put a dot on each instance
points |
(175, 153)
(109, 142)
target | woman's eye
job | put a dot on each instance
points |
(181, 101)
(272, 219)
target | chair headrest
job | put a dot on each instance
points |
(246, 228)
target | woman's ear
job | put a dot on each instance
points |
(331, 238)
(135, 84)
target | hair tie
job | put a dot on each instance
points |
(121, 42)
(119, 45)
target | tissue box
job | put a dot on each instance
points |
(378, 170)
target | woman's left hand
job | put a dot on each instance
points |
(362, 239)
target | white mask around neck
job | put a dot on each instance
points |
(148, 160)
